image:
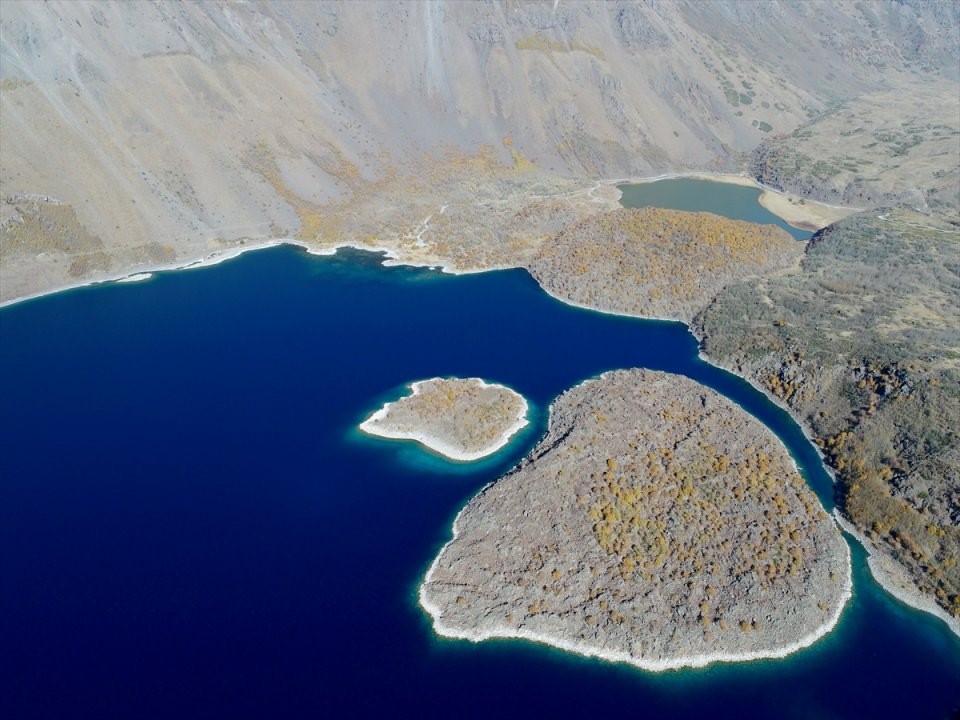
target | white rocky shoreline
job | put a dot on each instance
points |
(439, 432)
(453, 632)
(894, 580)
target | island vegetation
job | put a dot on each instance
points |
(657, 524)
(462, 418)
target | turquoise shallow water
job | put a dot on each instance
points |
(192, 526)
(737, 202)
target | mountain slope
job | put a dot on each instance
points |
(137, 134)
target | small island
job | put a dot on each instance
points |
(657, 524)
(463, 419)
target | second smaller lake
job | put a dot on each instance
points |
(736, 202)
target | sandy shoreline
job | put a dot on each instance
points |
(593, 651)
(126, 276)
(438, 445)
(808, 215)
(136, 277)
(729, 178)
(391, 259)
(208, 260)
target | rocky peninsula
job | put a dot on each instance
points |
(657, 263)
(656, 524)
(463, 419)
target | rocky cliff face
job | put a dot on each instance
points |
(157, 132)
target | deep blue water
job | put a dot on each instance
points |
(191, 527)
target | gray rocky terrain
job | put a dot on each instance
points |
(862, 344)
(884, 148)
(657, 524)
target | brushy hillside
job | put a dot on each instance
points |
(892, 147)
(652, 262)
(863, 344)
